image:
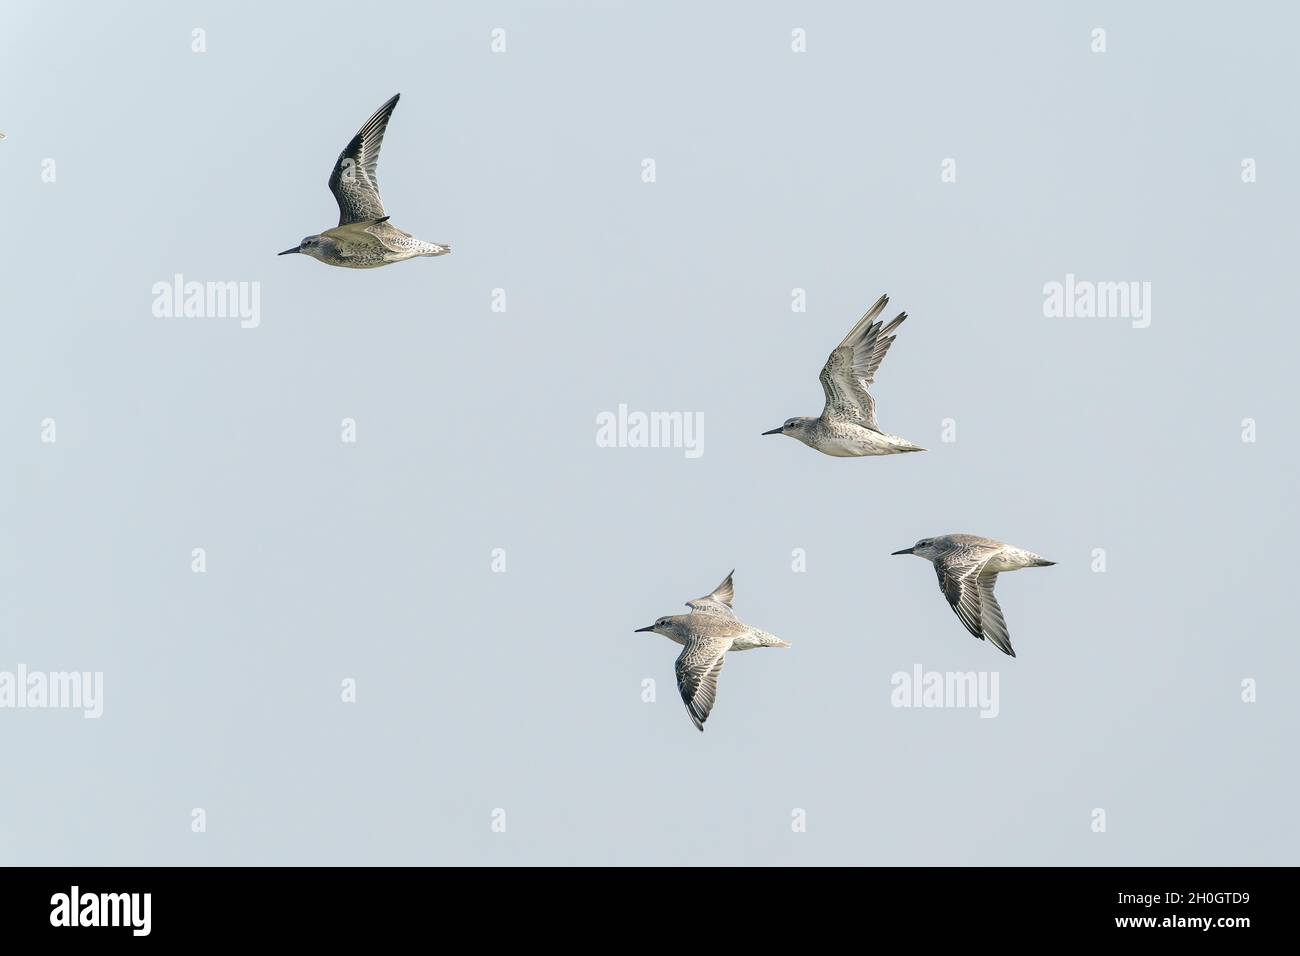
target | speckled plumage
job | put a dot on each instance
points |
(847, 426)
(706, 635)
(364, 238)
(968, 567)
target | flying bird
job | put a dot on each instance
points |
(847, 426)
(706, 634)
(364, 238)
(968, 566)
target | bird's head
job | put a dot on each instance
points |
(796, 427)
(668, 626)
(928, 548)
(313, 246)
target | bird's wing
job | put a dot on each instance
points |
(716, 602)
(353, 181)
(356, 230)
(995, 625)
(698, 667)
(851, 368)
(358, 238)
(969, 589)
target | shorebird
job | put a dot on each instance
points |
(968, 566)
(847, 426)
(364, 239)
(706, 634)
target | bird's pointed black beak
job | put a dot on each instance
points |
(774, 431)
(904, 551)
(640, 629)
(289, 251)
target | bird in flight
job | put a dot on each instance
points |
(968, 566)
(364, 238)
(847, 426)
(706, 634)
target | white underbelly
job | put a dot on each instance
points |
(845, 448)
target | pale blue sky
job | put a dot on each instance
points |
(476, 430)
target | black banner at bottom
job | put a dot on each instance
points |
(377, 904)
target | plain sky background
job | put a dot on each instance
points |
(476, 430)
